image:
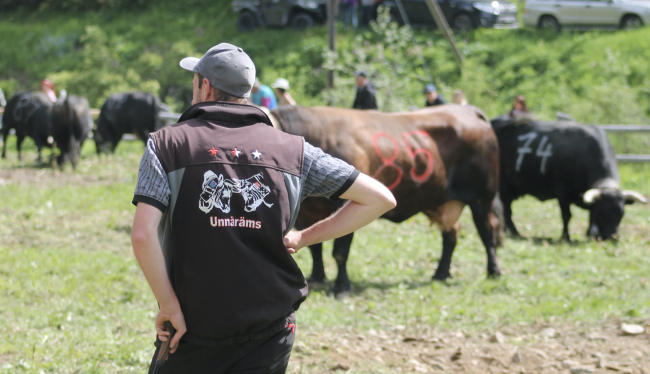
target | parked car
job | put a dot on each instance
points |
(299, 14)
(461, 15)
(584, 14)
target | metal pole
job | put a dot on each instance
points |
(331, 33)
(440, 20)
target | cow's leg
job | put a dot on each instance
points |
(487, 226)
(317, 278)
(565, 207)
(506, 199)
(341, 252)
(446, 217)
(449, 240)
(19, 144)
(5, 134)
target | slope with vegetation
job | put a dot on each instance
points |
(598, 77)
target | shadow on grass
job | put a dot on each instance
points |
(359, 287)
(538, 240)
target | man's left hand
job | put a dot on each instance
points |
(292, 241)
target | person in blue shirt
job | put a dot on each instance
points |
(262, 95)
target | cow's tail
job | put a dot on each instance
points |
(498, 219)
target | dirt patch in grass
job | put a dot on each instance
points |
(46, 176)
(518, 349)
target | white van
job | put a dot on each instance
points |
(585, 14)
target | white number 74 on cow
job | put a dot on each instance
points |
(542, 152)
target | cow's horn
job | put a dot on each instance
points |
(634, 197)
(591, 196)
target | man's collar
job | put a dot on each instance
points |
(222, 111)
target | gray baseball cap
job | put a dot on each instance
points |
(227, 67)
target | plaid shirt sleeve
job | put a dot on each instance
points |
(324, 175)
(153, 185)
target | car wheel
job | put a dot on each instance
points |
(247, 21)
(631, 21)
(302, 21)
(462, 23)
(549, 23)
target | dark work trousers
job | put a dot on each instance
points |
(262, 356)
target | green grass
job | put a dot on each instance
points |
(73, 300)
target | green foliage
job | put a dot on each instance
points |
(598, 77)
(70, 5)
(101, 74)
(386, 48)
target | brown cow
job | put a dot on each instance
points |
(435, 161)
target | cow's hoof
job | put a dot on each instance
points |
(342, 295)
(441, 277)
(316, 285)
(343, 287)
(494, 275)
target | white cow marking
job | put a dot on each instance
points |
(525, 148)
(544, 150)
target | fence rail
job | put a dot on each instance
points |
(607, 128)
(625, 128)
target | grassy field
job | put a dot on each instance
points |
(73, 300)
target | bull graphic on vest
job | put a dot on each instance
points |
(217, 192)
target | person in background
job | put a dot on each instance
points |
(433, 98)
(349, 10)
(3, 101)
(366, 92)
(281, 88)
(519, 107)
(367, 12)
(262, 95)
(459, 98)
(47, 87)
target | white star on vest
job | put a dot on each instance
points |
(256, 155)
(235, 152)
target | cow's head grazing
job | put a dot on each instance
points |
(606, 210)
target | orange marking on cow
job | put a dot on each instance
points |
(387, 161)
(414, 152)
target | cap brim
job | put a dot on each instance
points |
(189, 63)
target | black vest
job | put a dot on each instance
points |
(235, 194)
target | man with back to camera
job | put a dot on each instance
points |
(217, 196)
(366, 92)
(433, 98)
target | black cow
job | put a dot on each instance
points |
(135, 112)
(71, 123)
(562, 160)
(29, 115)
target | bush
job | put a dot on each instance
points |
(101, 74)
(70, 5)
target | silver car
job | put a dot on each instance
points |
(585, 14)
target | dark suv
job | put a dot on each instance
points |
(462, 15)
(298, 14)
